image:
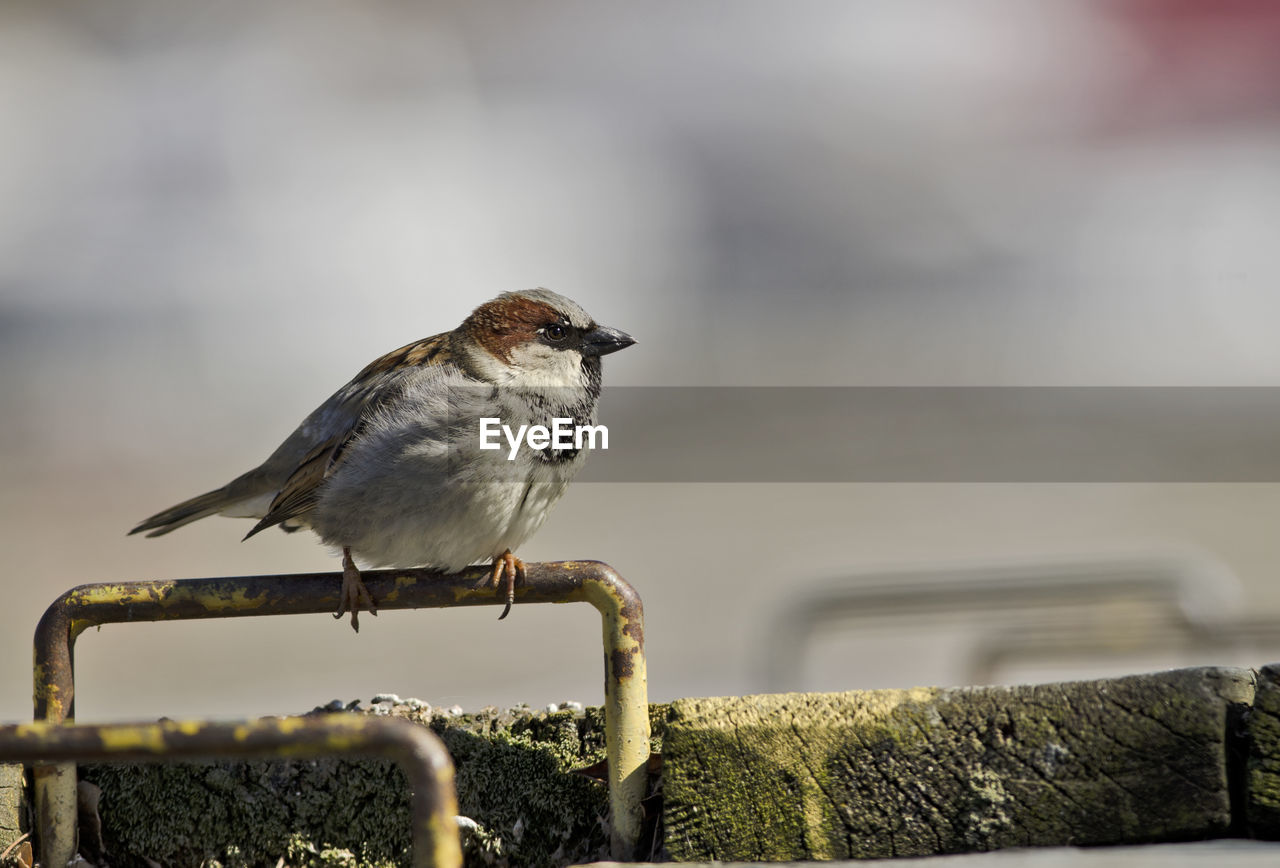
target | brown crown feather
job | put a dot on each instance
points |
(503, 324)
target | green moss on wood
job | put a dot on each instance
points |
(896, 773)
(13, 818)
(515, 777)
(1263, 772)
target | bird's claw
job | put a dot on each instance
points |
(353, 594)
(508, 570)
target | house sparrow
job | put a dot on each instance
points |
(391, 469)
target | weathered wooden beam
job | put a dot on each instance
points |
(917, 772)
(1263, 730)
(1166, 756)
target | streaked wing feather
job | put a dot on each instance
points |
(353, 405)
(298, 495)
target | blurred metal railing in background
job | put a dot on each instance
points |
(621, 611)
(417, 750)
(1083, 641)
(1047, 608)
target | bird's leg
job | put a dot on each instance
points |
(353, 593)
(507, 571)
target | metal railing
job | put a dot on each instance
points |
(621, 611)
(417, 750)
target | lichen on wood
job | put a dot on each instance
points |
(516, 782)
(13, 819)
(1263, 771)
(918, 772)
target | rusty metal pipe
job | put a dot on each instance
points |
(622, 616)
(416, 749)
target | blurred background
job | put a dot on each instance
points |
(212, 216)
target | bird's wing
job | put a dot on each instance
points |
(311, 453)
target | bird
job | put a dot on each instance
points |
(392, 470)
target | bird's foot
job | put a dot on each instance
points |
(507, 571)
(353, 594)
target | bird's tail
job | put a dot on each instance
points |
(174, 517)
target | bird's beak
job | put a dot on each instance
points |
(602, 340)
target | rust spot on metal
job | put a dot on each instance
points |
(622, 665)
(634, 627)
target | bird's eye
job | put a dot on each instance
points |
(556, 332)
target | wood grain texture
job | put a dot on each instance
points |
(918, 772)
